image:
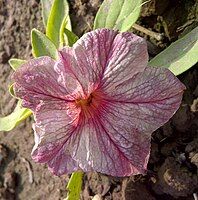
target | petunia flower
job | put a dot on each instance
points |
(96, 107)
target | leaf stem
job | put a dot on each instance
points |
(157, 36)
(74, 186)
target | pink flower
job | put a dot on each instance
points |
(96, 107)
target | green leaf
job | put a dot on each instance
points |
(58, 17)
(11, 90)
(63, 37)
(180, 55)
(67, 23)
(118, 14)
(46, 7)
(18, 115)
(70, 38)
(42, 46)
(16, 63)
(74, 186)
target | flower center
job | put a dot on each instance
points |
(85, 102)
(90, 105)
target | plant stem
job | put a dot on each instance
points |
(153, 34)
(74, 186)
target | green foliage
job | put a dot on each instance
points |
(11, 90)
(58, 20)
(16, 63)
(118, 14)
(9, 122)
(180, 55)
(70, 38)
(74, 186)
(18, 115)
(63, 37)
(46, 7)
(42, 46)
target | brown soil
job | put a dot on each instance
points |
(173, 165)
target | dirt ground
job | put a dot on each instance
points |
(173, 165)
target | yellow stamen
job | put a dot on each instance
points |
(84, 102)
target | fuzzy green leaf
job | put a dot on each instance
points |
(180, 55)
(118, 14)
(46, 7)
(42, 46)
(16, 63)
(74, 186)
(18, 115)
(70, 38)
(63, 37)
(57, 21)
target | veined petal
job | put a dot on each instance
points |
(53, 153)
(38, 81)
(96, 151)
(148, 100)
(62, 163)
(127, 57)
(104, 56)
(53, 128)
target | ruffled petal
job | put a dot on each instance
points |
(99, 56)
(148, 100)
(55, 123)
(37, 80)
(128, 56)
(62, 163)
(97, 151)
